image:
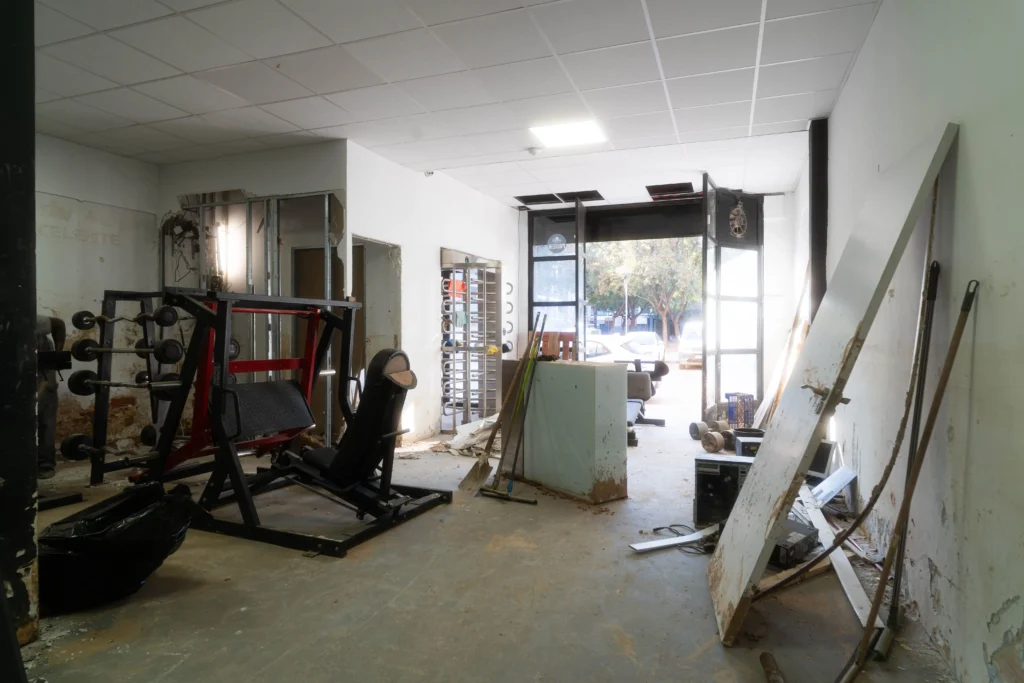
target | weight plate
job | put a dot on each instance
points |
(165, 316)
(148, 435)
(80, 383)
(83, 320)
(234, 348)
(141, 344)
(232, 379)
(729, 440)
(712, 442)
(698, 430)
(71, 446)
(719, 426)
(168, 351)
(85, 350)
(141, 377)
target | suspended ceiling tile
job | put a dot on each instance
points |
(794, 107)
(236, 147)
(148, 138)
(715, 116)
(612, 66)
(56, 128)
(326, 70)
(255, 82)
(158, 158)
(404, 56)
(181, 44)
(553, 109)
(495, 39)
(81, 116)
(638, 143)
(624, 100)
(809, 75)
(67, 80)
(788, 8)
(377, 102)
(45, 96)
(447, 148)
(485, 118)
(132, 105)
(699, 91)
(346, 20)
(185, 5)
(783, 127)
(816, 35)
(250, 121)
(679, 17)
(104, 56)
(442, 11)
(97, 141)
(578, 25)
(310, 112)
(198, 130)
(302, 137)
(379, 133)
(638, 126)
(733, 48)
(191, 94)
(521, 80)
(107, 14)
(457, 162)
(447, 91)
(263, 28)
(52, 26)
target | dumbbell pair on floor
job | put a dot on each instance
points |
(165, 316)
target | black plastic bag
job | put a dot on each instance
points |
(107, 551)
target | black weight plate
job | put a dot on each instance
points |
(234, 348)
(79, 383)
(148, 435)
(165, 316)
(70, 446)
(141, 377)
(84, 350)
(83, 320)
(141, 344)
(168, 351)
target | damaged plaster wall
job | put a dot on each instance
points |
(925, 63)
(95, 230)
(422, 214)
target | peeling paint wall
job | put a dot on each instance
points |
(924, 63)
(95, 230)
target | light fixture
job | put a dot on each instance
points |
(566, 134)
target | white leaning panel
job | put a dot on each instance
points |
(855, 291)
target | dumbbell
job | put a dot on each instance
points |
(85, 383)
(148, 435)
(165, 316)
(165, 350)
(75, 446)
(142, 382)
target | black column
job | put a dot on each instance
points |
(17, 314)
(818, 177)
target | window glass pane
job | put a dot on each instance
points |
(739, 324)
(710, 320)
(709, 386)
(554, 280)
(739, 272)
(712, 279)
(560, 318)
(739, 373)
(554, 236)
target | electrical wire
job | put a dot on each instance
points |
(686, 531)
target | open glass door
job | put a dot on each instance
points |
(710, 368)
(580, 344)
(733, 296)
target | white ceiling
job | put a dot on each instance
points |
(678, 86)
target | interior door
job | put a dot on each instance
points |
(710, 366)
(580, 345)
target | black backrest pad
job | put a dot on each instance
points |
(380, 412)
(267, 408)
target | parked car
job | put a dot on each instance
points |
(645, 345)
(615, 348)
(691, 345)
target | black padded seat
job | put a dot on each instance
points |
(362, 448)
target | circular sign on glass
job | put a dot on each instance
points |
(556, 243)
(738, 220)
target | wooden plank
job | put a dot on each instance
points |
(858, 286)
(844, 570)
(771, 580)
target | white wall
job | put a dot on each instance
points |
(95, 230)
(292, 170)
(421, 215)
(927, 62)
(383, 300)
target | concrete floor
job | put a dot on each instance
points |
(480, 590)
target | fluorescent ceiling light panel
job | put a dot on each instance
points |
(568, 134)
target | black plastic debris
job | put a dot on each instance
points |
(107, 551)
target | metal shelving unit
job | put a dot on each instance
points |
(470, 339)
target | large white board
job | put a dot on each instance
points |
(854, 294)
